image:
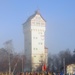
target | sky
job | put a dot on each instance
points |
(59, 16)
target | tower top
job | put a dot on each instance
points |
(32, 16)
(37, 12)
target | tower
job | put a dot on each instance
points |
(34, 38)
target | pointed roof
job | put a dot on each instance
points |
(32, 16)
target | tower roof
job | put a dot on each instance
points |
(32, 16)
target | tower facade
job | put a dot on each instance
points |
(34, 39)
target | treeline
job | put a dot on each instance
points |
(17, 61)
(56, 61)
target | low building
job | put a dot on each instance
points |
(70, 69)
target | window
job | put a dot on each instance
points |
(34, 56)
(40, 33)
(40, 60)
(37, 18)
(36, 48)
(34, 37)
(38, 23)
(40, 43)
(41, 56)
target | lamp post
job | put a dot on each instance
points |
(22, 64)
(64, 65)
(9, 65)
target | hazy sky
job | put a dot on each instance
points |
(59, 15)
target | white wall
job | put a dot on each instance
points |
(38, 40)
(34, 36)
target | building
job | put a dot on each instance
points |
(70, 69)
(34, 39)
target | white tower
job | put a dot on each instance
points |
(34, 37)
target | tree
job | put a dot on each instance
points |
(56, 61)
(17, 61)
